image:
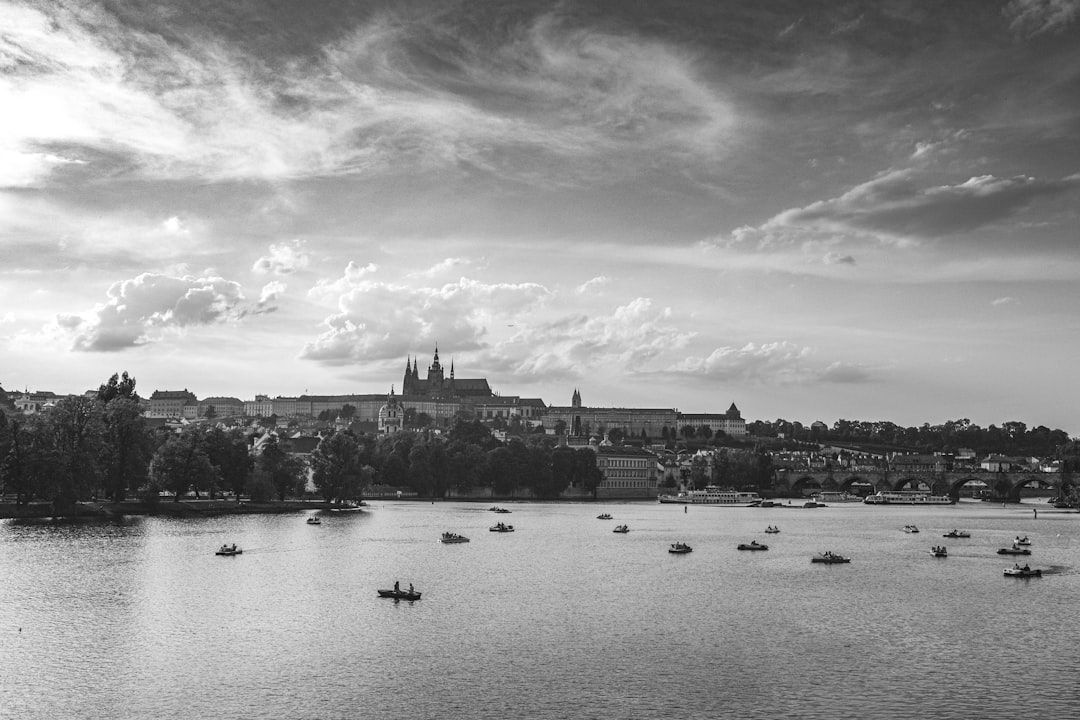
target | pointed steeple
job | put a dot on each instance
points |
(451, 368)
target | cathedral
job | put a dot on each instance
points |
(440, 387)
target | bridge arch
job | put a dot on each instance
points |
(803, 484)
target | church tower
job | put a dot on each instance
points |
(435, 376)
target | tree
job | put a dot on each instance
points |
(347, 411)
(560, 427)
(585, 470)
(688, 431)
(31, 459)
(125, 448)
(77, 430)
(228, 453)
(615, 436)
(211, 412)
(336, 468)
(117, 387)
(285, 473)
(180, 464)
(423, 420)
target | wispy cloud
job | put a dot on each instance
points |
(1003, 301)
(282, 259)
(1035, 17)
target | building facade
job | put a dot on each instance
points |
(173, 405)
(628, 472)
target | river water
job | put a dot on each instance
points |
(561, 619)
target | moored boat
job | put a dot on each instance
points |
(835, 497)
(830, 558)
(753, 545)
(680, 548)
(713, 495)
(450, 538)
(907, 497)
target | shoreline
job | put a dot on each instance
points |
(166, 508)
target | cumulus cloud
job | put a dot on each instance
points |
(443, 266)
(377, 320)
(139, 310)
(269, 296)
(282, 259)
(631, 337)
(835, 258)
(779, 362)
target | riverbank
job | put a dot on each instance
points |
(165, 508)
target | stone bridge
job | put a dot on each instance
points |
(1004, 485)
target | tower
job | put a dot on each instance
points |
(435, 375)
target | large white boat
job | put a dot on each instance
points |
(712, 495)
(835, 497)
(907, 497)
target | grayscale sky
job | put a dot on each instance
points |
(816, 210)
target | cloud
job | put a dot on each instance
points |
(1035, 17)
(1003, 301)
(268, 297)
(594, 285)
(895, 207)
(162, 97)
(835, 258)
(175, 226)
(283, 259)
(378, 320)
(631, 338)
(443, 266)
(139, 310)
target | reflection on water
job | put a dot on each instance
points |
(562, 618)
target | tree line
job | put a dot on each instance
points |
(102, 448)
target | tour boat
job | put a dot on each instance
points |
(712, 495)
(753, 545)
(450, 538)
(835, 497)
(829, 558)
(907, 497)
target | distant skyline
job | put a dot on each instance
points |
(815, 210)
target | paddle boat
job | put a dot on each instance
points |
(497, 509)
(398, 594)
(753, 545)
(829, 558)
(772, 530)
(1014, 550)
(957, 534)
(680, 548)
(451, 538)
(229, 550)
(603, 516)
(621, 529)
(314, 520)
(501, 527)
(910, 529)
(1023, 572)
(939, 551)
(1021, 540)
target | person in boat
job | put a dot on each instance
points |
(410, 589)
(397, 586)
(234, 547)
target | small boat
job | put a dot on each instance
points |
(349, 507)
(229, 550)
(957, 534)
(621, 529)
(753, 545)
(398, 594)
(830, 558)
(939, 551)
(1014, 550)
(603, 516)
(1023, 572)
(772, 530)
(451, 538)
(680, 548)
(501, 527)
(314, 520)
(813, 504)
(910, 529)
(497, 509)
(1021, 540)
